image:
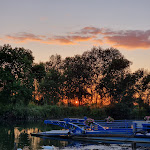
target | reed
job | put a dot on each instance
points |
(36, 112)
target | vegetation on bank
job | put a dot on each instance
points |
(34, 112)
(97, 84)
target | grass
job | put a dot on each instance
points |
(35, 112)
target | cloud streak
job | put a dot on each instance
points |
(95, 31)
(130, 39)
(24, 37)
(127, 39)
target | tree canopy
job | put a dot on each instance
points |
(15, 75)
(99, 76)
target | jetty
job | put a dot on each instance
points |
(89, 130)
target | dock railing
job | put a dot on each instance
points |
(141, 127)
(125, 124)
(116, 123)
(122, 126)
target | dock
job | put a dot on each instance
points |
(76, 129)
(52, 133)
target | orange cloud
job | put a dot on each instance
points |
(24, 37)
(98, 41)
(80, 38)
(59, 40)
(67, 40)
(62, 40)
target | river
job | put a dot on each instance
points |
(17, 136)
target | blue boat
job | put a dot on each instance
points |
(87, 130)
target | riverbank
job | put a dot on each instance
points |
(35, 112)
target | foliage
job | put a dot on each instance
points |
(55, 62)
(111, 84)
(95, 78)
(15, 75)
(119, 111)
(51, 86)
(98, 113)
(35, 112)
(78, 73)
(38, 71)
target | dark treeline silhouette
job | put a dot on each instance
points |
(99, 78)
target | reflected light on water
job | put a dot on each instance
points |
(24, 140)
(9, 132)
(20, 136)
(34, 141)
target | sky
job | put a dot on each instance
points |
(70, 27)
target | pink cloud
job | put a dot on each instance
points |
(94, 31)
(130, 39)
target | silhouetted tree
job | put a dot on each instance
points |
(51, 87)
(77, 73)
(55, 62)
(113, 71)
(38, 71)
(142, 88)
(15, 75)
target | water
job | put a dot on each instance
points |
(15, 136)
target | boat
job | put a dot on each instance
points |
(87, 129)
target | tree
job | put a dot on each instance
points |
(55, 62)
(77, 75)
(15, 75)
(38, 71)
(51, 87)
(142, 88)
(114, 68)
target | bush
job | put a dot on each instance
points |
(119, 111)
(98, 113)
(35, 112)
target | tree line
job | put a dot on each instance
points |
(96, 78)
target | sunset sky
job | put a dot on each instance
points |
(69, 27)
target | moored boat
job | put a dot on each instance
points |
(89, 130)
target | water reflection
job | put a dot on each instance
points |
(18, 136)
